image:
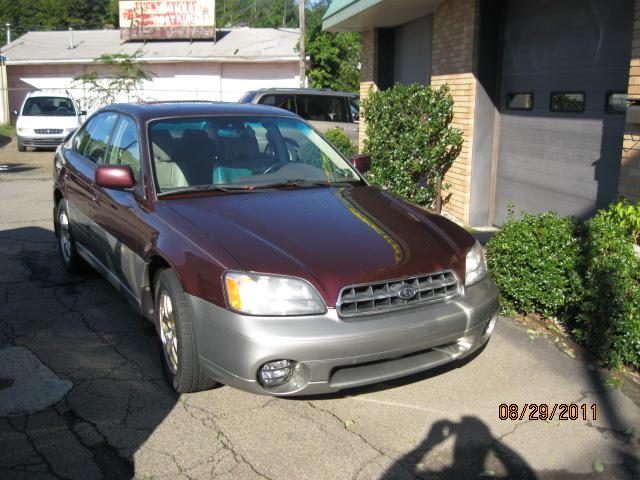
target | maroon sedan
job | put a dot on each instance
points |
(262, 256)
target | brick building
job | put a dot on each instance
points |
(540, 87)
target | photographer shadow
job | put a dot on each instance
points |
(476, 454)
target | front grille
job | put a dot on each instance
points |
(384, 296)
(48, 131)
(42, 142)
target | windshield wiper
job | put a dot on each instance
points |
(299, 182)
(204, 188)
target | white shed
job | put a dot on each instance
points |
(241, 59)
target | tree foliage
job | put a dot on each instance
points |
(30, 15)
(334, 57)
(122, 80)
(257, 13)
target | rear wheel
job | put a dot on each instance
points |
(71, 260)
(176, 336)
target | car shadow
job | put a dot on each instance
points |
(15, 168)
(5, 140)
(85, 332)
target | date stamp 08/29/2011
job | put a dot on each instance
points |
(548, 412)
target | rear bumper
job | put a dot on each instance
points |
(41, 141)
(333, 354)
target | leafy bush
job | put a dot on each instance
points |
(534, 262)
(410, 139)
(341, 141)
(627, 215)
(609, 323)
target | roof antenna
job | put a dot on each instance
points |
(71, 45)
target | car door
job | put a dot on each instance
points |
(118, 214)
(88, 150)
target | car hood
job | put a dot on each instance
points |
(332, 237)
(35, 121)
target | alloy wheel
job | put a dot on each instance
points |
(168, 331)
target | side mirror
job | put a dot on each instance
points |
(14, 113)
(361, 161)
(115, 176)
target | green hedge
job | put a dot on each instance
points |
(534, 263)
(586, 275)
(410, 139)
(609, 323)
(341, 141)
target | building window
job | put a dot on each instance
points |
(616, 102)
(567, 102)
(520, 101)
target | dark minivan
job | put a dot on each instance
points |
(261, 255)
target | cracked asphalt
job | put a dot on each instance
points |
(120, 420)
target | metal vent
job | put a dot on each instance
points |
(48, 131)
(397, 294)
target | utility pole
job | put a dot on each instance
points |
(284, 15)
(303, 67)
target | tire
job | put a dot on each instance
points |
(71, 260)
(21, 147)
(174, 327)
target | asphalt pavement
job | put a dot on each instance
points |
(82, 394)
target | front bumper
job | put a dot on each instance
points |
(44, 141)
(333, 354)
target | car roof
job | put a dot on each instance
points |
(151, 110)
(48, 93)
(308, 91)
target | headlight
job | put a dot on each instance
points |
(24, 130)
(476, 267)
(256, 294)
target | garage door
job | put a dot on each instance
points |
(565, 70)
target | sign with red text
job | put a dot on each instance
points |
(167, 19)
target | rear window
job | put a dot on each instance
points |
(49, 106)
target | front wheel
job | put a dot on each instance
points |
(71, 260)
(176, 336)
(21, 147)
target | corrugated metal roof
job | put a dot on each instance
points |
(235, 45)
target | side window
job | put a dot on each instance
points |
(125, 148)
(567, 102)
(93, 141)
(280, 101)
(322, 108)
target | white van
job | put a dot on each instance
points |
(45, 119)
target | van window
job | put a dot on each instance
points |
(280, 100)
(322, 108)
(49, 106)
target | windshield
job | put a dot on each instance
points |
(242, 152)
(49, 107)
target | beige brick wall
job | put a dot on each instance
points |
(369, 73)
(454, 64)
(629, 182)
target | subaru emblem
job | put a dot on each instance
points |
(407, 292)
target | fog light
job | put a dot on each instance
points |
(491, 325)
(273, 374)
